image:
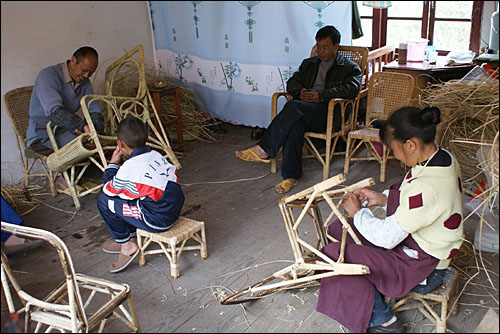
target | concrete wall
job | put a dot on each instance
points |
(489, 8)
(36, 34)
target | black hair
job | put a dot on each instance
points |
(82, 52)
(411, 122)
(329, 31)
(133, 132)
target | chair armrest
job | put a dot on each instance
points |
(40, 303)
(274, 102)
(343, 106)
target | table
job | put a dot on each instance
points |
(156, 94)
(425, 73)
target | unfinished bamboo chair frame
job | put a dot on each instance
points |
(359, 55)
(64, 309)
(141, 106)
(17, 103)
(183, 230)
(308, 258)
(387, 92)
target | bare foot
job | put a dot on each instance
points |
(61, 182)
(255, 149)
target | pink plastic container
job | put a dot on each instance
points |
(416, 49)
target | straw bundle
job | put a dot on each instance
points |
(195, 120)
(20, 198)
(469, 122)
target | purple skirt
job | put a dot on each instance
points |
(349, 298)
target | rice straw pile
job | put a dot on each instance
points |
(469, 122)
(195, 120)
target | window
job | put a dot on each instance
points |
(448, 25)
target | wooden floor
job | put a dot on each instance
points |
(246, 241)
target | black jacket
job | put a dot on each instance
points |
(343, 79)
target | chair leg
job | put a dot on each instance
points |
(174, 268)
(347, 156)
(142, 256)
(326, 166)
(273, 166)
(52, 185)
(203, 251)
(72, 188)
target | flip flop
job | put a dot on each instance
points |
(112, 248)
(249, 155)
(123, 262)
(287, 185)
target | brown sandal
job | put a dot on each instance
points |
(123, 262)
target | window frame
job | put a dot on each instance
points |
(428, 18)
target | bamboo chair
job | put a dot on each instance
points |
(359, 55)
(17, 103)
(445, 297)
(387, 92)
(308, 258)
(80, 304)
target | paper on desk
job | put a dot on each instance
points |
(460, 57)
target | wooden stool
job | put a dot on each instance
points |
(445, 295)
(183, 230)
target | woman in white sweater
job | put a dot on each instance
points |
(413, 245)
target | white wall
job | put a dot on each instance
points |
(489, 8)
(36, 34)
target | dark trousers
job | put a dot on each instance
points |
(122, 217)
(287, 130)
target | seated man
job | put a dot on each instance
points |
(56, 97)
(321, 78)
(142, 193)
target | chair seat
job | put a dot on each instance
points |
(183, 230)
(365, 133)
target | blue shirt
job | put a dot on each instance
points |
(53, 92)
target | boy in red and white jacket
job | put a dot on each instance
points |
(143, 193)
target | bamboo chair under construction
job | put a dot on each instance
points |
(359, 55)
(91, 147)
(387, 92)
(80, 304)
(17, 103)
(308, 257)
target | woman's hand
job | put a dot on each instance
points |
(351, 203)
(371, 197)
(117, 154)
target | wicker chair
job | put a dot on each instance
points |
(359, 55)
(80, 304)
(386, 93)
(17, 104)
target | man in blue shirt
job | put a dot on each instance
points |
(56, 97)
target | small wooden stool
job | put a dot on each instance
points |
(183, 230)
(446, 295)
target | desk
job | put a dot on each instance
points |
(156, 94)
(424, 73)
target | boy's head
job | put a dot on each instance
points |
(133, 132)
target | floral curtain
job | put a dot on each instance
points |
(235, 54)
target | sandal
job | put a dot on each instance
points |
(286, 185)
(123, 262)
(249, 155)
(114, 247)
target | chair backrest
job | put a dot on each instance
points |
(357, 54)
(17, 103)
(74, 311)
(387, 92)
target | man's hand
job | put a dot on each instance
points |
(115, 158)
(309, 95)
(86, 128)
(371, 197)
(351, 203)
